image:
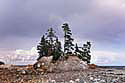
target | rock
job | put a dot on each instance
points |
(23, 72)
(43, 64)
(2, 63)
(71, 81)
(46, 59)
(92, 66)
(82, 81)
(91, 78)
(73, 58)
(72, 63)
(103, 81)
(6, 66)
(77, 80)
(53, 81)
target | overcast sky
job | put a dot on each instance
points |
(23, 22)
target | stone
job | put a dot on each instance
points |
(71, 81)
(6, 66)
(43, 64)
(2, 63)
(77, 80)
(72, 63)
(23, 72)
(53, 81)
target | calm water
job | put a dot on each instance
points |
(116, 67)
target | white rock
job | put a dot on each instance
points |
(103, 81)
(91, 78)
(38, 65)
(71, 81)
(53, 81)
(77, 80)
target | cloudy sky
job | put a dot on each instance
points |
(23, 22)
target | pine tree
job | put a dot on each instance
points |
(86, 52)
(57, 50)
(76, 49)
(68, 45)
(83, 52)
(42, 50)
(50, 37)
(79, 52)
(49, 45)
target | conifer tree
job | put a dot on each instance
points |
(79, 52)
(76, 49)
(51, 37)
(86, 52)
(49, 45)
(42, 50)
(68, 45)
(57, 50)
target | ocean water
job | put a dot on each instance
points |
(114, 67)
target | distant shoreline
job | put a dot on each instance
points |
(117, 67)
(97, 66)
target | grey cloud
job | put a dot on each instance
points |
(26, 17)
(29, 19)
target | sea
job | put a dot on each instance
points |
(114, 67)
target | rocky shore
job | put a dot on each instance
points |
(98, 75)
(72, 70)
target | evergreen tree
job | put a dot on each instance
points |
(68, 45)
(79, 53)
(42, 50)
(49, 45)
(86, 52)
(76, 49)
(57, 50)
(50, 37)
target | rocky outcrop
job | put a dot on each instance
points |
(73, 63)
(43, 64)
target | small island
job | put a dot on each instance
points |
(61, 63)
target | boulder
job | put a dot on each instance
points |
(43, 64)
(71, 63)
(2, 63)
(92, 66)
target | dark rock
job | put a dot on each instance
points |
(2, 63)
